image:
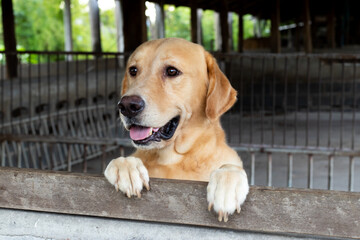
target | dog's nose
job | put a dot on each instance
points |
(130, 106)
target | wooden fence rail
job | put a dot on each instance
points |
(267, 210)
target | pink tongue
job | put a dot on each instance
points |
(139, 133)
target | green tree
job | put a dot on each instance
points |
(39, 25)
(177, 22)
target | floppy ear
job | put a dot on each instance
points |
(220, 94)
(124, 85)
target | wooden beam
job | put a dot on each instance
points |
(119, 26)
(68, 28)
(194, 22)
(135, 31)
(9, 37)
(327, 214)
(95, 26)
(241, 32)
(160, 19)
(275, 24)
(307, 27)
(224, 25)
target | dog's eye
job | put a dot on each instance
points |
(133, 71)
(172, 72)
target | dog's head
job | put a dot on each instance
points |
(169, 84)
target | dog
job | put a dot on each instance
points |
(173, 94)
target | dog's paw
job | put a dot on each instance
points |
(128, 175)
(227, 190)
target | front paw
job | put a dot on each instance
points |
(128, 175)
(227, 190)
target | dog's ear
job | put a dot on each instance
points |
(220, 94)
(124, 85)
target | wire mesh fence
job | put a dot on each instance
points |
(294, 124)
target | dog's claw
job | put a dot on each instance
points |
(128, 193)
(147, 186)
(221, 214)
(238, 209)
(210, 206)
(138, 193)
(226, 217)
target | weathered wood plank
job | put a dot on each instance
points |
(267, 210)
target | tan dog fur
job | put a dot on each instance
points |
(198, 149)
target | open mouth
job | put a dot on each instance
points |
(144, 135)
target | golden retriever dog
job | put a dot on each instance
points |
(173, 94)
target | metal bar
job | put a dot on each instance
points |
(252, 179)
(331, 173)
(354, 108)
(273, 102)
(122, 151)
(308, 102)
(39, 88)
(30, 87)
(127, 142)
(290, 170)
(68, 160)
(49, 86)
(20, 91)
(2, 93)
(310, 171)
(319, 106)
(269, 169)
(331, 103)
(106, 95)
(285, 99)
(342, 104)
(252, 101)
(68, 53)
(241, 98)
(103, 158)
(18, 154)
(351, 173)
(3, 160)
(262, 101)
(85, 159)
(296, 100)
(57, 86)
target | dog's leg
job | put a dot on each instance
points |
(227, 190)
(128, 175)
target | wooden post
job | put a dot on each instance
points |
(194, 22)
(218, 40)
(199, 26)
(307, 27)
(135, 31)
(331, 25)
(9, 37)
(275, 23)
(241, 32)
(230, 24)
(95, 25)
(225, 46)
(119, 26)
(67, 28)
(160, 19)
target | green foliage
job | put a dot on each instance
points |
(177, 22)
(80, 26)
(207, 23)
(39, 24)
(108, 30)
